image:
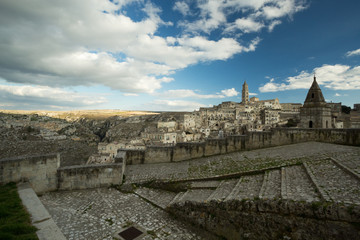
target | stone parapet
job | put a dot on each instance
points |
(251, 141)
(44, 175)
(39, 171)
(89, 176)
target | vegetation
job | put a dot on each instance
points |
(14, 220)
(167, 186)
(152, 233)
(291, 123)
(345, 109)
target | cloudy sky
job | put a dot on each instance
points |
(175, 55)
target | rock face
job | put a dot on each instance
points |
(76, 138)
(35, 135)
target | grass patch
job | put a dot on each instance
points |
(14, 220)
(109, 221)
(152, 233)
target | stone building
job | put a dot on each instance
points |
(315, 113)
(357, 107)
(269, 117)
(291, 107)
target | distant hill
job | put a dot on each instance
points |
(78, 114)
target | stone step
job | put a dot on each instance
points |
(337, 183)
(176, 198)
(223, 190)
(204, 184)
(351, 162)
(271, 187)
(296, 185)
(248, 187)
(196, 195)
(158, 197)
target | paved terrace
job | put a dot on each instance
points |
(244, 161)
(301, 172)
(98, 214)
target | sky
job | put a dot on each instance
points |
(176, 55)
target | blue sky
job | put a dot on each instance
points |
(175, 55)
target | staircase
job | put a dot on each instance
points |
(312, 181)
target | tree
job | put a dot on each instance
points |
(291, 123)
(345, 109)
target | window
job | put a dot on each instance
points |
(312, 95)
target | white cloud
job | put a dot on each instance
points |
(247, 25)
(340, 95)
(187, 93)
(69, 43)
(187, 51)
(230, 92)
(255, 14)
(130, 94)
(336, 77)
(281, 8)
(175, 105)
(182, 7)
(53, 45)
(273, 24)
(353, 53)
(47, 97)
(252, 94)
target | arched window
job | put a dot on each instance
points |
(311, 124)
(327, 124)
(312, 95)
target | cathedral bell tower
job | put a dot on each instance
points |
(245, 94)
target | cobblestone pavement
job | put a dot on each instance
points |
(313, 181)
(336, 182)
(271, 187)
(248, 187)
(98, 214)
(161, 198)
(236, 162)
(197, 195)
(224, 189)
(349, 159)
(298, 185)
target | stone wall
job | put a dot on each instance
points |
(89, 176)
(44, 175)
(253, 140)
(39, 171)
(272, 219)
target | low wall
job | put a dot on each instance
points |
(39, 171)
(89, 176)
(44, 175)
(253, 140)
(271, 219)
